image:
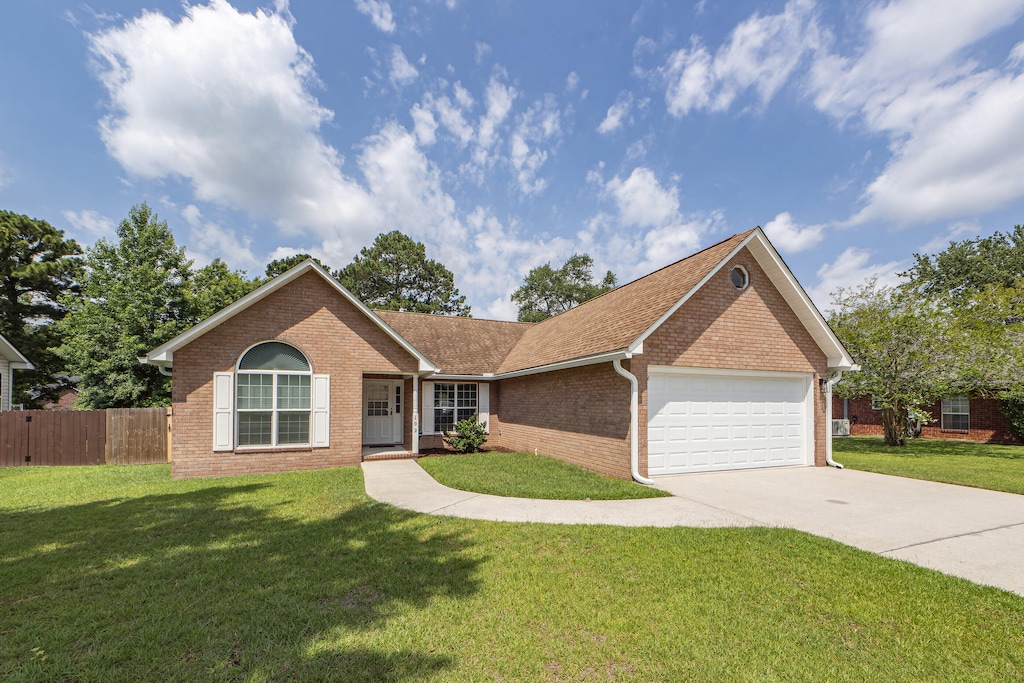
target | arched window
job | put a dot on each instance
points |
(273, 396)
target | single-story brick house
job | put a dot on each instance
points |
(718, 361)
(966, 418)
(10, 360)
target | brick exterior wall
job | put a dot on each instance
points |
(722, 327)
(582, 415)
(337, 338)
(988, 423)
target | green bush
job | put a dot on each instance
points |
(468, 435)
(1013, 408)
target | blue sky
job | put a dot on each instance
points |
(507, 134)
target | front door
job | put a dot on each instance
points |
(382, 405)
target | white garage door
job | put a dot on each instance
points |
(705, 422)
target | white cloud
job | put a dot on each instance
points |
(953, 126)
(480, 51)
(403, 73)
(498, 99)
(208, 240)
(540, 124)
(379, 12)
(761, 54)
(424, 124)
(789, 237)
(956, 230)
(90, 224)
(617, 115)
(852, 268)
(572, 81)
(222, 99)
(6, 175)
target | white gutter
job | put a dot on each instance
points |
(634, 422)
(833, 378)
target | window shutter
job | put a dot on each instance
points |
(321, 432)
(428, 407)
(483, 397)
(223, 411)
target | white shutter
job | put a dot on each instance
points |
(223, 411)
(428, 407)
(483, 397)
(321, 433)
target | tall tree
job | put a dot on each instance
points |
(965, 268)
(278, 266)
(395, 274)
(135, 295)
(215, 286)
(908, 353)
(548, 291)
(37, 267)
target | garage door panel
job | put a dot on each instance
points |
(715, 422)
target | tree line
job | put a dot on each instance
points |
(83, 317)
(954, 325)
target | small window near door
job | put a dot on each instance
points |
(398, 399)
(956, 413)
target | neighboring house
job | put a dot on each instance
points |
(10, 360)
(719, 361)
(66, 398)
(955, 417)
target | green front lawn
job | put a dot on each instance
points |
(986, 466)
(524, 475)
(121, 574)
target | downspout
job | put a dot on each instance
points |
(833, 379)
(634, 423)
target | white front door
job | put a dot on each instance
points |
(382, 411)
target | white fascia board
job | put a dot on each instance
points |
(164, 354)
(565, 365)
(9, 353)
(779, 273)
(461, 378)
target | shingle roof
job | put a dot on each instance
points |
(611, 322)
(458, 346)
(615, 320)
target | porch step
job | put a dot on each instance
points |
(386, 454)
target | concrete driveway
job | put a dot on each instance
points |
(971, 533)
(966, 532)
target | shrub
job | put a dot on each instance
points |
(1013, 408)
(468, 435)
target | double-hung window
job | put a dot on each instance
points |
(453, 402)
(956, 413)
(273, 396)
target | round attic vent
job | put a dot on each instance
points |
(740, 278)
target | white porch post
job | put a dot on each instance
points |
(416, 414)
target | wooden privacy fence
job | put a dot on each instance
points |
(122, 436)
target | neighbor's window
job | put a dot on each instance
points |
(453, 402)
(876, 404)
(273, 396)
(956, 413)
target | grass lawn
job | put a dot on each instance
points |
(524, 475)
(121, 574)
(986, 466)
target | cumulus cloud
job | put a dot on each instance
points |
(789, 237)
(90, 224)
(952, 125)
(208, 240)
(223, 99)
(617, 115)
(760, 55)
(572, 82)
(379, 12)
(852, 268)
(402, 73)
(537, 126)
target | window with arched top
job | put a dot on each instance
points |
(273, 396)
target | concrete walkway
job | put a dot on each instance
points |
(971, 533)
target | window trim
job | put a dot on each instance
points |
(746, 277)
(945, 408)
(274, 410)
